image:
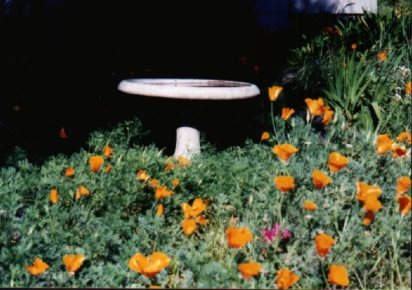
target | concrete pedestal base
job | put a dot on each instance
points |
(187, 142)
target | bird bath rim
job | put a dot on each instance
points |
(192, 89)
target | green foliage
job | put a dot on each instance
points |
(341, 65)
(118, 218)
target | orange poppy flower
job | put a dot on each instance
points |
(327, 116)
(404, 204)
(108, 151)
(338, 275)
(320, 179)
(248, 270)
(284, 151)
(38, 267)
(183, 161)
(73, 262)
(337, 161)
(170, 166)
(405, 137)
(316, 107)
(274, 93)
(149, 266)
(175, 182)
(81, 191)
(63, 134)
(154, 183)
(403, 185)
(198, 206)
(284, 183)
(353, 46)
(372, 203)
(142, 175)
(95, 163)
(189, 226)
(108, 168)
(265, 136)
(324, 243)
(364, 190)
(285, 278)
(310, 205)
(368, 218)
(408, 88)
(162, 192)
(383, 143)
(238, 237)
(191, 215)
(160, 210)
(382, 56)
(399, 151)
(287, 113)
(69, 171)
(54, 196)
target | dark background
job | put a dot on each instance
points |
(61, 62)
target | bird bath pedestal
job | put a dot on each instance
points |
(187, 136)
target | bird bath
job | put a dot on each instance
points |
(187, 136)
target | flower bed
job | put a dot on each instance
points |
(118, 215)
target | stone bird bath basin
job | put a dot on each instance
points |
(187, 136)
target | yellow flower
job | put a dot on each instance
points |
(368, 218)
(73, 262)
(54, 196)
(108, 168)
(316, 107)
(38, 267)
(399, 151)
(320, 179)
(162, 192)
(149, 266)
(310, 205)
(284, 183)
(81, 191)
(403, 185)
(284, 151)
(69, 172)
(287, 113)
(408, 88)
(142, 175)
(95, 163)
(338, 275)
(364, 190)
(337, 161)
(274, 92)
(189, 226)
(324, 243)
(248, 270)
(238, 237)
(382, 56)
(404, 204)
(383, 143)
(265, 136)
(160, 210)
(285, 278)
(108, 151)
(327, 116)
(405, 137)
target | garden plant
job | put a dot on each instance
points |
(300, 208)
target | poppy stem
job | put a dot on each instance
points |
(273, 121)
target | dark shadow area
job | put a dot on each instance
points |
(61, 62)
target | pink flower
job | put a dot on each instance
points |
(286, 234)
(270, 234)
